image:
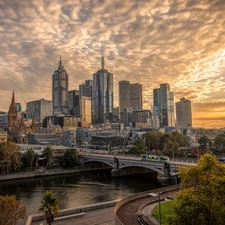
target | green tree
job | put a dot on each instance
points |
(219, 142)
(70, 158)
(50, 206)
(205, 140)
(10, 157)
(48, 152)
(202, 195)
(11, 210)
(152, 139)
(28, 158)
(139, 145)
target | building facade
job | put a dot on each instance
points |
(184, 113)
(39, 109)
(3, 136)
(74, 102)
(165, 98)
(102, 95)
(60, 90)
(124, 97)
(85, 89)
(136, 96)
(85, 109)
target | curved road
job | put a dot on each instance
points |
(126, 213)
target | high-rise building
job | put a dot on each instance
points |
(136, 96)
(73, 100)
(60, 90)
(12, 113)
(165, 98)
(130, 96)
(39, 109)
(183, 113)
(124, 95)
(85, 89)
(102, 95)
(85, 109)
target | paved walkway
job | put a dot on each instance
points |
(95, 217)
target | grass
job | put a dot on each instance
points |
(165, 211)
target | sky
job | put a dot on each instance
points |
(180, 42)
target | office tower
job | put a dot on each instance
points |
(39, 109)
(12, 113)
(183, 113)
(73, 99)
(124, 97)
(127, 116)
(85, 109)
(165, 98)
(85, 89)
(102, 95)
(136, 96)
(60, 90)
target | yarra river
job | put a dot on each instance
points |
(76, 189)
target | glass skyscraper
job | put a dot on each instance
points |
(102, 95)
(164, 98)
(60, 90)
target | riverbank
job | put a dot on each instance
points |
(44, 172)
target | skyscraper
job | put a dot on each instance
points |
(102, 95)
(60, 90)
(124, 97)
(136, 96)
(85, 89)
(183, 113)
(165, 98)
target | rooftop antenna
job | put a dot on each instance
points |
(60, 62)
(102, 58)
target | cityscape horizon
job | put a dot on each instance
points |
(180, 44)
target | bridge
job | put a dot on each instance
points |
(123, 166)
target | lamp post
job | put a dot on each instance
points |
(155, 195)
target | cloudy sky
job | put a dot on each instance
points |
(180, 42)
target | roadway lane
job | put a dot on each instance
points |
(126, 213)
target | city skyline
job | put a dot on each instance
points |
(181, 43)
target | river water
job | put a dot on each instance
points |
(76, 189)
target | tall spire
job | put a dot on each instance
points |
(60, 62)
(102, 59)
(13, 99)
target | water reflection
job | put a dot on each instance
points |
(75, 189)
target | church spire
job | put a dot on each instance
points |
(13, 103)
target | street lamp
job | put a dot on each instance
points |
(155, 195)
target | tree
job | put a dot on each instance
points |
(205, 140)
(28, 157)
(50, 206)
(10, 157)
(11, 210)
(139, 145)
(70, 158)
(152, 139)
(202, 195)
(48, 152)
(219, 142)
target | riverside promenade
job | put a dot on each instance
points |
(43, 172)
(128, 211)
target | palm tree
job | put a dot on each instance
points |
(50, 206)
